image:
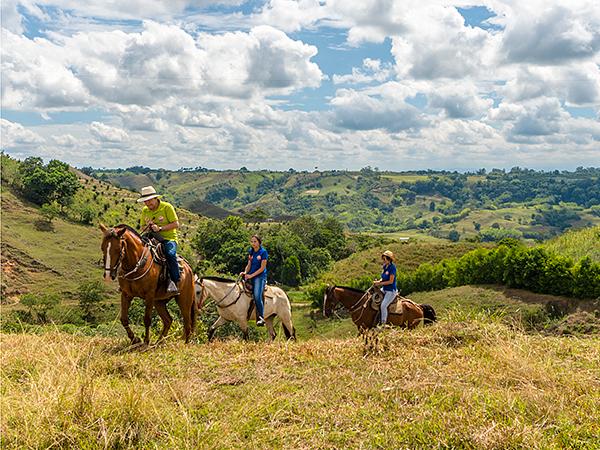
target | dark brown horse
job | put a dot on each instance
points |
(126, 257)
(404, 313)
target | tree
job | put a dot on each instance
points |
(91, 294)
(44, 184)
(290, 272)
(454, 236)
(432, 206)
(50, 210)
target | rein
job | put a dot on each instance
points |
(141, 262)
(218, 302)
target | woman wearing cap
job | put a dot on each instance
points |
(160, 217)
(256, 271)
(388, 282)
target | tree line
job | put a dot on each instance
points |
(510, 263)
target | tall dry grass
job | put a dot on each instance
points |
(464, 383)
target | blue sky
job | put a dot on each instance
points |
(277, 84)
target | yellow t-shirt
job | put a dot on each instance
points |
(161, 216)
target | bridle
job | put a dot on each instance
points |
(352, 309)
(218, 302)
(139, 264)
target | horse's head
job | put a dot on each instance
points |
(111, 250)
(329, 301)
(201, 293)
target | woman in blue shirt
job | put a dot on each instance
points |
(388, 282)
(256, 270)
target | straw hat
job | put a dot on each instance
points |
(148, 192)
(389, 254)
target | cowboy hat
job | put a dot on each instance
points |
(389, 254)
(148, 192)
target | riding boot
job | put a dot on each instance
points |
(172, 288)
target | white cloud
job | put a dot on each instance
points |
(459, 101)
(547, 33)
(372, 70)
(106, 133)
(359, 111)
(65, 140)
(15, 134)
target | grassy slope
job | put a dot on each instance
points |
(408, 257)
(464, 383)
(577, 244)
(59, 258)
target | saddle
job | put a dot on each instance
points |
(376, 297)
(249, 291)
(155, 245)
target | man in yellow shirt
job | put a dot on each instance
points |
(160, 217)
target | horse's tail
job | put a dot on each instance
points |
(288, 330)
(289, 334)
(429, 315)
(194, 306)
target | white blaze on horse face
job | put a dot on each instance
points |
(107, 263)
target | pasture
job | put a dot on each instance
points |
(479, 378)
(464, 383)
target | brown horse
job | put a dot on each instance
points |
(404, 313)
(126, 256)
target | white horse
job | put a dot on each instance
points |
(233, 304)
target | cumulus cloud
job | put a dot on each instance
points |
(546, 33)
(15, 134)
(106, 133)
(358, 111)
(372, 70)
(460, 101)
(159, 63)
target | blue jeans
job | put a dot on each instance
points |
(258, 289)
(171, 254)
(387, 299)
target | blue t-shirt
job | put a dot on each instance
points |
(256, 259)
(387, 272)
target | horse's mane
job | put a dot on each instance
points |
(224, 280)
(358, 291)
(129, 228)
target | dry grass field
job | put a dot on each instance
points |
(468, 382)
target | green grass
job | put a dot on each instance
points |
(463, 383)
(577, 244)
(408, 257)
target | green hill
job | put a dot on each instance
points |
(521, 202)
(58, 255)
(577, 244)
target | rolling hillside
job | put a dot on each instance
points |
(534, 205)
(58, 256)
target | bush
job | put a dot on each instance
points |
(91, 294)
(39, 305)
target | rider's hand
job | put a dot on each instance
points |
(246, 276)
(155, 228)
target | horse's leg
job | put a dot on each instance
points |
(244, 326)
(270, 328)
(125, 304)
(163, 312)
(148, 320)
(211, 331)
